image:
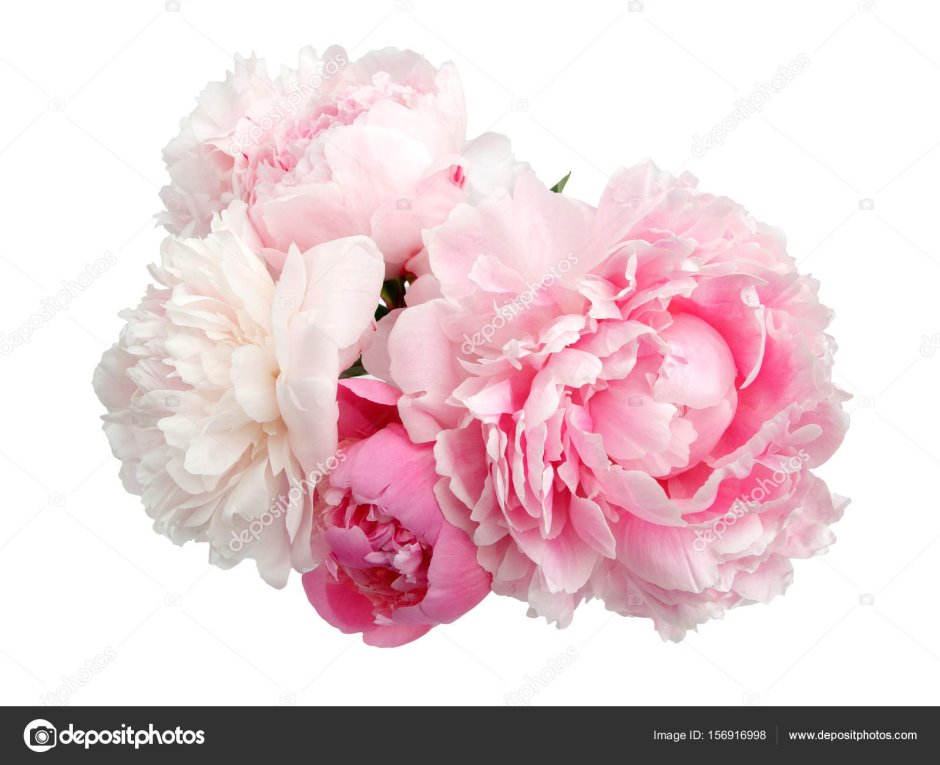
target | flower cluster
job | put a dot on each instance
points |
(393, 360)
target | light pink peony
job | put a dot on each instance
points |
(221, 393)
(332, 149)
(631, 397)
(391, 566)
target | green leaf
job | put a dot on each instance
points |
(560, 186)
(393, 296)
(354, 371)
(393, 293)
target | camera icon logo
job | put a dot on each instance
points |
(40, 736)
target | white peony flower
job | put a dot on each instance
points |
(221, 392)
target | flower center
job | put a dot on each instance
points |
(672, 409)
(387, 562)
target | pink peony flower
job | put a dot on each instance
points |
(221, 392)
(332, 149)
(391, 566)
(630, 398)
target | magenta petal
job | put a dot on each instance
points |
(456, 582)
(365, 406)
(349, 546)
(391, 472)
(339, 604)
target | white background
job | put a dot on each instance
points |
(91, 92)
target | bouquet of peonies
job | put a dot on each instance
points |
(393, 360)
